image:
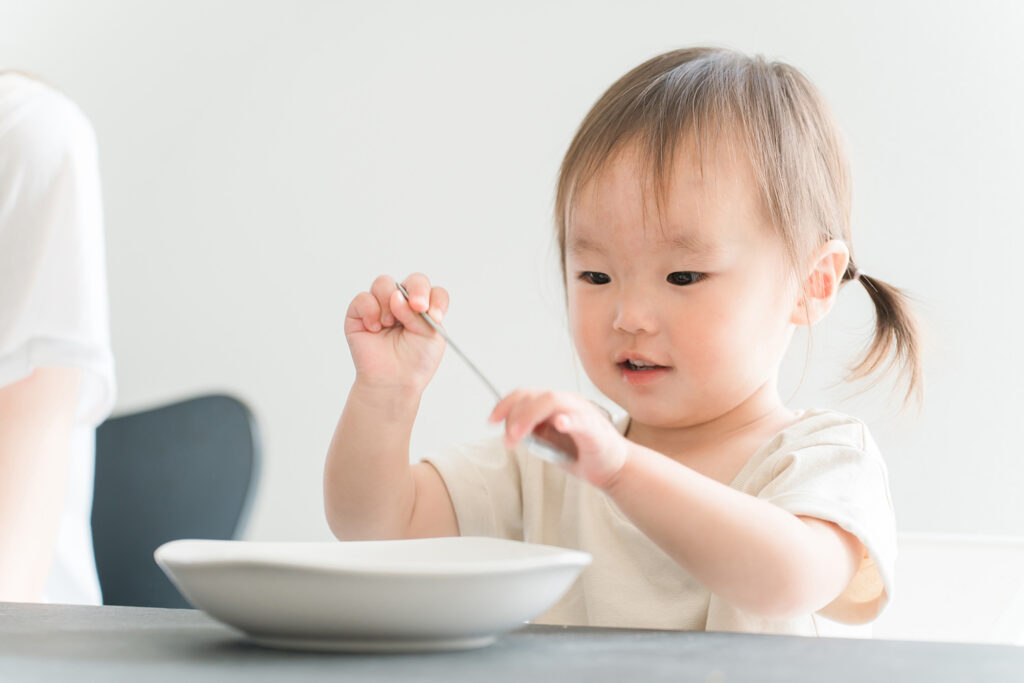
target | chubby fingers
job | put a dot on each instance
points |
(438, 303)
(364, 313)
(406, 316)
(418, 286)
(524, 410)
(384, 306)
(381, 290)
(422, 299)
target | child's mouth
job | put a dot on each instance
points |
(640, 367)
(641, 373)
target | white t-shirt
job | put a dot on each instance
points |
(825, 465)
(53, 290)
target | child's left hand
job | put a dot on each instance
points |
(571, 423)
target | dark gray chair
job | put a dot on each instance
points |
(184, 470)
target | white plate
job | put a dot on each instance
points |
(411, 595)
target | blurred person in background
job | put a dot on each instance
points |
(56, 366)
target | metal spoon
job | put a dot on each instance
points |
(533, 445)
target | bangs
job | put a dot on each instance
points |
(700, 97)
(651, 115)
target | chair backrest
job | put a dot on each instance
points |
(184, 470)
(956, 588)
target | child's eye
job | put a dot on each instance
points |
(594, 278)
(685, 277)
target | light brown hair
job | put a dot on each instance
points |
(795, 150)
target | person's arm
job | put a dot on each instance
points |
(370, 489)
(750, 552)
(36, 416)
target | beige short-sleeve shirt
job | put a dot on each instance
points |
(825, 465)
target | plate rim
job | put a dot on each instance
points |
(563, 557)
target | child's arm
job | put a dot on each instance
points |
(751, 553)
(370, 489)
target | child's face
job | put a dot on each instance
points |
(720, 335)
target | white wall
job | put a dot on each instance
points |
(263, 161)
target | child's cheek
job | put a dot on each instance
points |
(585, 328)
(703, 348)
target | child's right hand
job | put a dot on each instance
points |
(392, 346)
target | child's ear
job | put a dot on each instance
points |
(819, 287)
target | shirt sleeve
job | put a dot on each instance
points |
(53, 289)
(485, 484)
(845, 481)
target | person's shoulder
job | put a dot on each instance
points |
(827, 426)
(38, 121)
(19, 90)
(817, 435)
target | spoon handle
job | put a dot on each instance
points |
(456, 349)
(533, 445)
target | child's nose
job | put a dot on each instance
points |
(636, 314)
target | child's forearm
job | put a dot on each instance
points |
(369, 490)
(748, 551)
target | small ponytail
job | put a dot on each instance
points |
(896, 329)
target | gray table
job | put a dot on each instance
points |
(69, 643)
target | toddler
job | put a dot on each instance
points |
(702, 214)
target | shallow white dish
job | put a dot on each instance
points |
(410, 595)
